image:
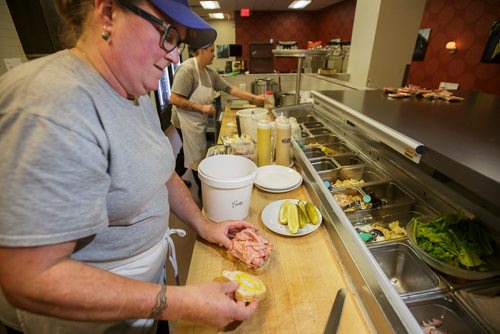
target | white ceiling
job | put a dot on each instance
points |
(228, 7)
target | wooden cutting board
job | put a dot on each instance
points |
(302, 279)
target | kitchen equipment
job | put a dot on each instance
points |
(287, 99)
(261, 86)
(226, 184)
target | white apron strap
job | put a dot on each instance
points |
(173, 257)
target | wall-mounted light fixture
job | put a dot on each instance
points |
(451, 47)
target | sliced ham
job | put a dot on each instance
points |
(250, 248)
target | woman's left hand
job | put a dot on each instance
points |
(221, 233)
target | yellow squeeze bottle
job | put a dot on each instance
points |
(327, 150)
(263, 143)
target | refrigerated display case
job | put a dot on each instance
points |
(416, 158)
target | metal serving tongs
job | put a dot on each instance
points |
(332, 325)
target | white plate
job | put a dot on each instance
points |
(276, 177)
(270, 218)
(280, 190)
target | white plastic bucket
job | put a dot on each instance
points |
(249, 119)
(226, 185)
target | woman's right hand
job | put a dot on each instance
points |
(208, 109)
(213, 304)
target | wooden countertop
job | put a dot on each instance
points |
(302, 279)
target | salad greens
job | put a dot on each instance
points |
(454, 239)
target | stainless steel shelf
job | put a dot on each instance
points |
(300, 53)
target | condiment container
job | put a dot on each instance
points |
(295, 128)
(264, 143)
(269, 103)
(283, 133)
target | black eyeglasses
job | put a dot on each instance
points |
(171, 38)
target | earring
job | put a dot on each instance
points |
(105, 33)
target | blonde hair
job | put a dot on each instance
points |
(74, 14)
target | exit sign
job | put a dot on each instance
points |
(245, 12)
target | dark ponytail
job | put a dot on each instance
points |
(74, 14)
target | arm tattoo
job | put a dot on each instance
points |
(161, 303)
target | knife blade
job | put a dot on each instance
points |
(334, 319)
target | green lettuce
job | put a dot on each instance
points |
(454, 239)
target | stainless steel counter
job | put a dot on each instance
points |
(461, 139)
(378, 132)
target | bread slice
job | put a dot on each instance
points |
(250, 288)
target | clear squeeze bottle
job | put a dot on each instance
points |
(296, 131)
(283, 133)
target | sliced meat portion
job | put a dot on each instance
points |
(250, 248)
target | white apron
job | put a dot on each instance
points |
(194, 125)
(147, 266)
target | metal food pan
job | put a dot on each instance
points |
(313, 152)
(390, 214)
(385, 225)
(389, 192)
(483, 301)
(339, 148)
(446, 308)
(304, 132)
(312, 125)
(319, 140)
(383, 195)
(324, 164)
(317, 152)
(404, 269)
(320, 131)
(349, 159)
(366, 173)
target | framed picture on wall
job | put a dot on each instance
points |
(491, 52)
(421, 45)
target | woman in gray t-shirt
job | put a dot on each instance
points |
(192, 94)
(87, 181)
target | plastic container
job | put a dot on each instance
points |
(244, 147)
(269, 104)
(226, 184)
(283, 134)
(249, 119)
(264, 143)
(296, 132)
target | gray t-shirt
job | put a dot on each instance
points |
(186, 81)
(80, 162)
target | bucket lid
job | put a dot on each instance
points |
(227, 168)
(251, 112)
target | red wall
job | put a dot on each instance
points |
(332, 22)
(467, 22)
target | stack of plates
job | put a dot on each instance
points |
(277, 179)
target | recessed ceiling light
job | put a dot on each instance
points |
(298, 4)
(210, 4)
(219, 16)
